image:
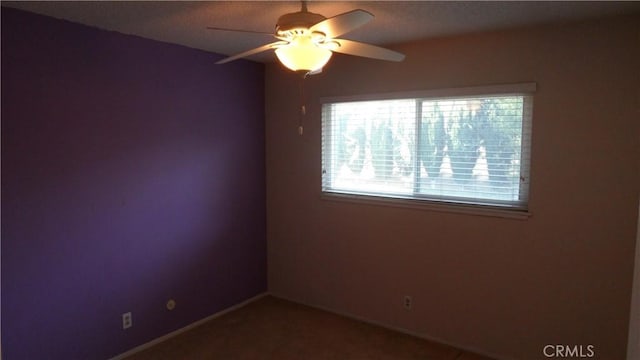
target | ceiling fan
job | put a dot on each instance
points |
(307, 40)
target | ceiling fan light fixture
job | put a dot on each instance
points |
(303, 54)
(307, 40)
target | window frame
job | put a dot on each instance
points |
(434, 203)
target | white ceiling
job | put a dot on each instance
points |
(395, 22)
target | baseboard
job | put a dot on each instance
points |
(393, 328)
(187, 328)
(319, 307)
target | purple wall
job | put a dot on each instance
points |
(132, 173)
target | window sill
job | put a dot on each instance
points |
(474, 210)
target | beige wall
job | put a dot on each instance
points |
(633, 346)
(500, 286)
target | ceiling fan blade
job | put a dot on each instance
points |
(343, 23)
(350, 47)
(238, 30)
(252, 51)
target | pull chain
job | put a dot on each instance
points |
(303, 109)
(303, 112)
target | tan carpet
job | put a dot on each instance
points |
(272, 328)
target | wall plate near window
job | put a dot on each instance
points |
(468, 147)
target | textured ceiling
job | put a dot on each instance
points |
(395, 22)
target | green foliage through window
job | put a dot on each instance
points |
(471, 150)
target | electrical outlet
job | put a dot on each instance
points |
(127, 320)
(408, 302)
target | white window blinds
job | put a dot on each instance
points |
(455, 149)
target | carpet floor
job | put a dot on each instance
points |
(276, 329)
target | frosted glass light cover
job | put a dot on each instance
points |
(303, 54)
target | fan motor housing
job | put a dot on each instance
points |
(298, 20)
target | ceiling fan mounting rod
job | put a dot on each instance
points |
(297, 20)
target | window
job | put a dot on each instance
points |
(469, 146)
